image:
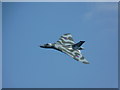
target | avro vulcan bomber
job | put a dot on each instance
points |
(67, 45)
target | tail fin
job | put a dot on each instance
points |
(77, 45)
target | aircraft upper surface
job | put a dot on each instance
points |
(67, 45)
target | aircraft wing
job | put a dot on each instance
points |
(83, 60)
(66, 40)
(80, 57)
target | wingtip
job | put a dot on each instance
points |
(86, 62)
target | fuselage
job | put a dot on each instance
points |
(67, 50)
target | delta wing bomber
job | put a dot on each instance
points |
(67, 45)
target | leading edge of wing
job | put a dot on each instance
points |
(66, 39)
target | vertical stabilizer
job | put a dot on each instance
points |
(77, 45)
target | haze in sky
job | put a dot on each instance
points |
(27, 25)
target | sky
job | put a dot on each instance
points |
(0, 45)
(27, 25)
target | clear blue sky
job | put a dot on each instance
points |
(27, 25)
(0, 45)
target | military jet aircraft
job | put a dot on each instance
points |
(67, 45)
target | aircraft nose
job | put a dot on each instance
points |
(41, 46)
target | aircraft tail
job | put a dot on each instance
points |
(77, 45)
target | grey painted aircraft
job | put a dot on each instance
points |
(67, 45)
